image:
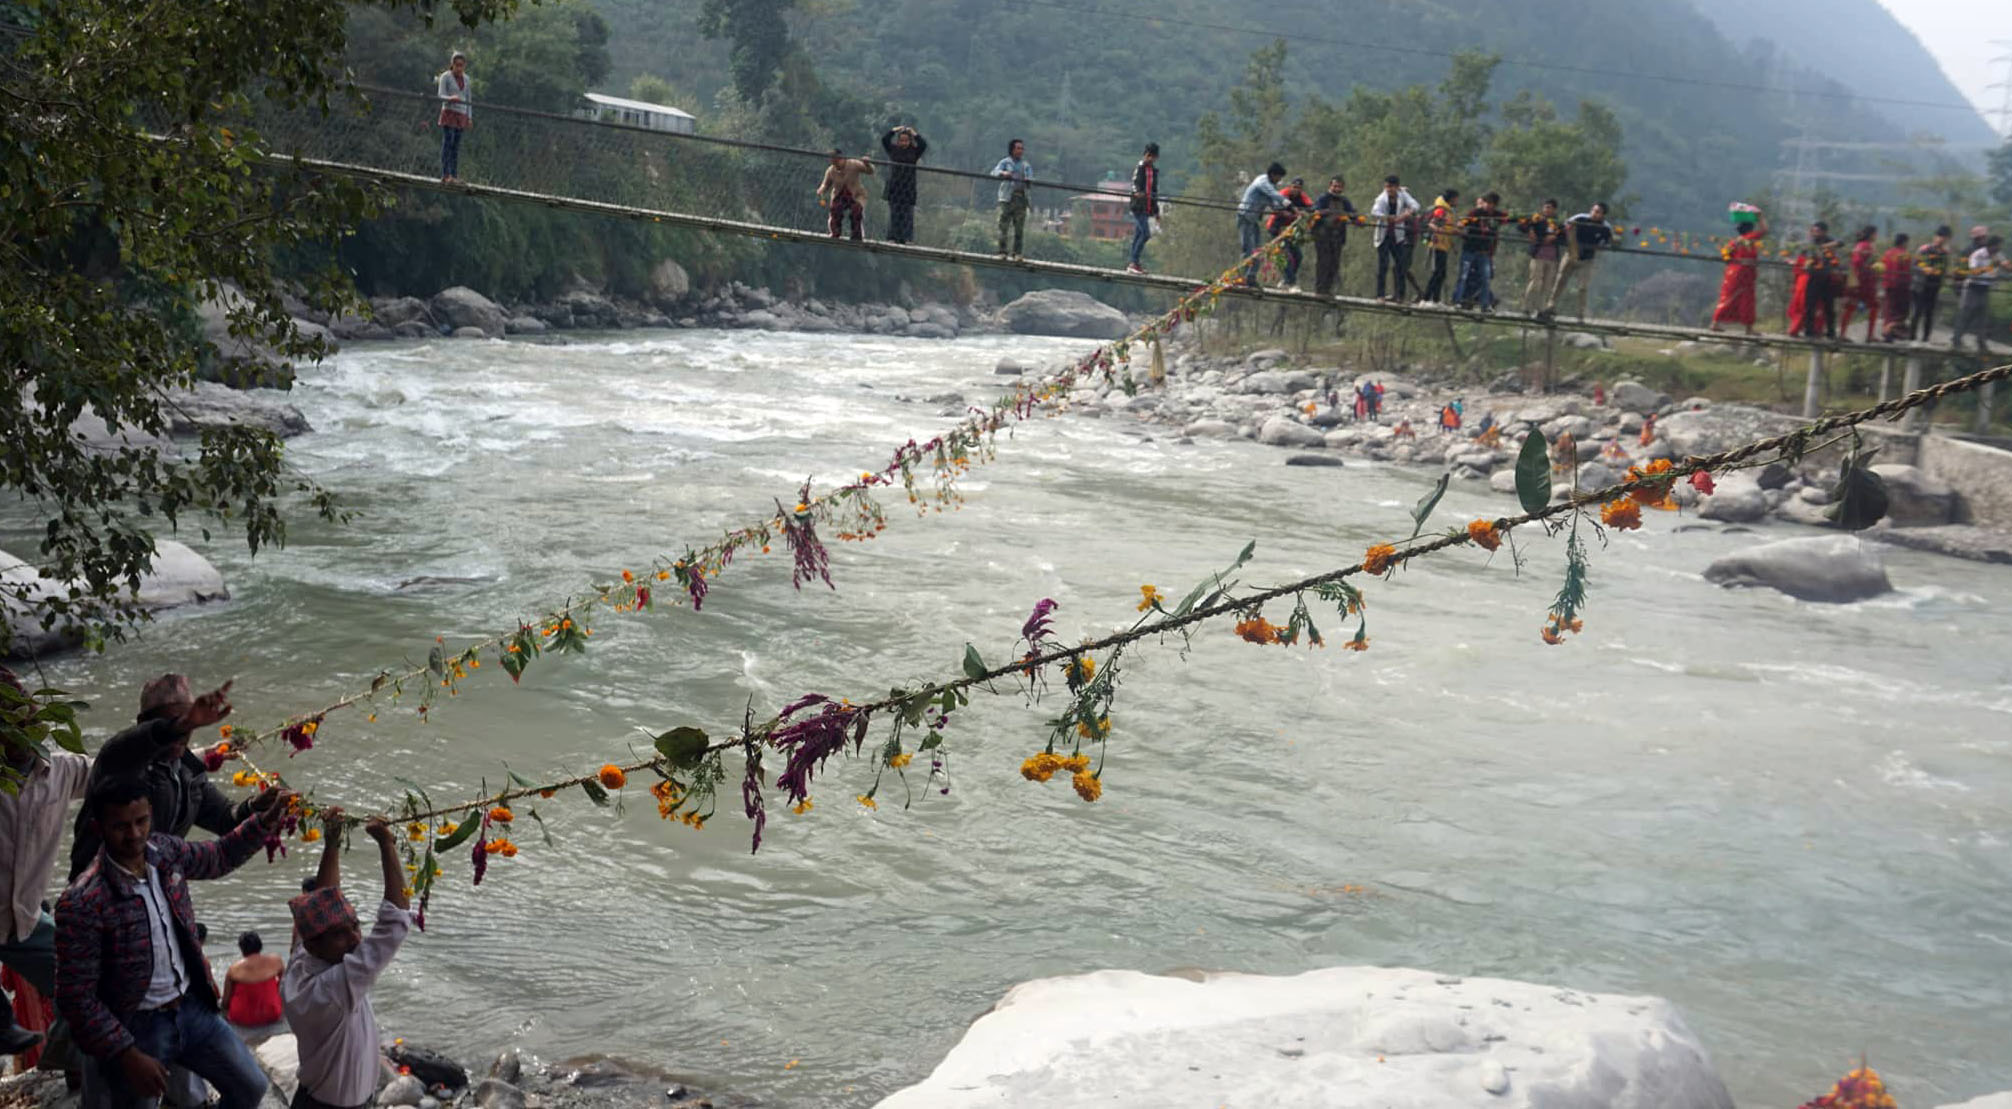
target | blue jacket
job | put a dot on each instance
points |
(1261, 196)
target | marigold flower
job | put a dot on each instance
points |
(1149, 597)
(663, 575)
(415, 831)
(868, 801)
(901, 760)
(628, 577)
(1550, 634)
(244, 778)
(1256, 629)
(1484, 534)
(508, 850)
(1080, 670)
(1041, 767)
(1621, 515)
(310, 835)
(1094, 729)
(546, 793)
(501, 815)
(1378, 558)
(612, 776)
(224, 732)
(1087, 785)
(801, 807)
(1076, 764)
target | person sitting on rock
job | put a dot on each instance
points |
(156, 750)
(1404, 430)
(326, 988)
(251, 985)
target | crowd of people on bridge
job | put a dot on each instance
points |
(115, 971)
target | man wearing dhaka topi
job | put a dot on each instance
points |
(326, 990)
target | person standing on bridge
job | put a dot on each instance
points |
(1589, 235)
(1477, 256)
(905, 146)
(1864, 291)
(1396, 216)
(1261, 198)
(840, 191)
(1015, 184)
(456, 115)
(1280, 224)
(1931, 266)
(1331, 215)
(1439, 226)
(1547, 245)
(1973, 315)
(1895, 270)
(1821, 271)
(1737, 297)
(1145, 206)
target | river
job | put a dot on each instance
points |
(1793, 820)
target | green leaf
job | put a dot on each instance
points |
(542, 830)
(683, 747)
(1533, 473)
(1422, 511)
(594, 792)
(974, 667)
(1250, 549)
(468, 826)
(519, 780)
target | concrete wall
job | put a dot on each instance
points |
(1981, 475)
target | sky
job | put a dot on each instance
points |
(1959, 34)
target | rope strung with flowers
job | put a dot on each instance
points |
(689, 764)
(849, 507)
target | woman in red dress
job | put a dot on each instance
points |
(1736, 289)
(1897, 276)
(1864, 292)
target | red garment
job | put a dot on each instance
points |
(32, 1011)
(1795, 303)
(1279, 221)
(1649, 430)
(255, 1003)
(1737, 300)
(452, 113)
(1864, 290)
(1899, 289)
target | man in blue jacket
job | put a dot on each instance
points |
(1261, 198)
(1016, 182)
(1145, 203)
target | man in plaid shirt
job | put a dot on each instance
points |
(127, 956)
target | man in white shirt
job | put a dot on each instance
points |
(326, 988)
(1973, 312)
(1393, 214)
(31, 829)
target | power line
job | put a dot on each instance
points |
(1421, 51)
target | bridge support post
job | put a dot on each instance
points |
(1885, 377)
(1550, 361)
(1812, 392)
(1916, 417)
(1984, 392)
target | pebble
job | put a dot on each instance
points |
(494, 1093)
(1494, 1077)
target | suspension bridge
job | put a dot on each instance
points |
(764, 192)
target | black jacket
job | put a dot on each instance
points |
(1145, 189)
(1330, 221)
(181, 791)
(901, 178)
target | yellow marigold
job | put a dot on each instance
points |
(901, 760)
(1094, 729)
(1041, 767)
(1148, 597)
(244, 778)
(446, 828)
(1378, 558)
(501, 815)
(415, 831)
(1080, 670)
(1087, 785)
(868, 801)
(612, 776)
(310, 835)
(1621, 515)
(801, 807)
(1484, 534)
(310, 728)
(1076, 764)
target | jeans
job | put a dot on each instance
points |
(1293, 260)
(1326, 264)
(1477, 276)
(1435, 286)
(1925, 299)
(195, 1037)
(900, 222)
(450, 151)
(1819, 298)
(1391, 253)
(1142, 230)
(1013, 217)
(1250, 236)
(843, 204)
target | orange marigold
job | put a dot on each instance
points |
(1378, 558)
(501, 815)
(1359, 643)
(612, 776)
(1041, 767)
(1621, 515)
(1484, 534)
(1087, 785)
(1257, 629)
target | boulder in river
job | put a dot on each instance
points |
(1284, 431)
(1062, 312)
(1338, 1036)
(211, 405)
(179, 577)
(1832, 569)
(460, 306)
(1737, 498)
(1315, 460)
(1915, 499)
(1633, 396)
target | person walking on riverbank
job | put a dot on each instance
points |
(1738, 299)
(251, 985)
(1547, 248)
(1260, 199)
(326, 990)
(1016, 182)
(457, 114)
(1439, 223)
(904, 146)
(842, 193)
(1145, 206)
(1482, 229)
(1973, 313)
(1931, 267)
(1588, 235)
(31, 832)
(1896, 268)
(1331, 214)
(156, 750)
(1395, 214)
(126, 954)
(1864, 290)
(1280, 224)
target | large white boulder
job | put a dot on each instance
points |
(1284, 431)
(1835, 569)
(1916, 499)
(1736, 499)
(1066, 313)
(1633, 396)
(180, 577)
(461, 306)
(1339, 1038)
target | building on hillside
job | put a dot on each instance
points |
(1108, 210)
(636, 113)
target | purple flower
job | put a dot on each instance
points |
(481, 859)
(751, 798)
(693, 579)
(1039, 625)
(808, 742)
(811, 560)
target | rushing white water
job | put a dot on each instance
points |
(1791, 819)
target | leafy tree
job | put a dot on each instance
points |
(129, 188)
(2000, 172)
(652, 89)
(760, 36)
(1535, 155)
